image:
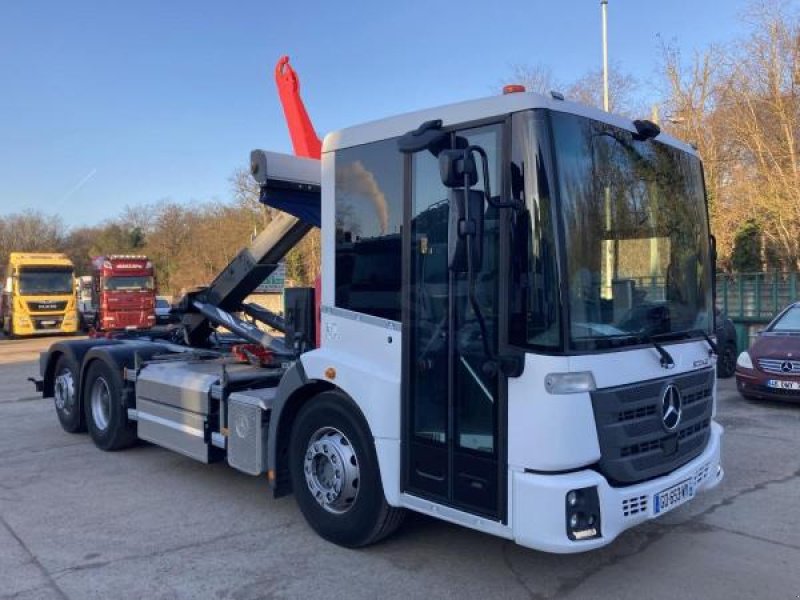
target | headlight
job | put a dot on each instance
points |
(744, 360)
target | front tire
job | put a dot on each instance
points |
(106, 417)
(65, 397)
(335, 475)
(726, 364)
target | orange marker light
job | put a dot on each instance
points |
(513, 88)
(330, 373)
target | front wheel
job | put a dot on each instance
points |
(105, 414)
(726, 364)
(335, 475)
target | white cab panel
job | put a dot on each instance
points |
(548, 432)
(366, 357)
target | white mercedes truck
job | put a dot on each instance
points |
(511, 332)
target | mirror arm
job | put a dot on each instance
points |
(494, 201)
(473, 297)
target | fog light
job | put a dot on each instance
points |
(583, 514)
(574, 521)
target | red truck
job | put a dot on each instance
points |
(123, 293)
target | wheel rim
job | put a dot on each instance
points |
(331, 470)
(101, 403)
(64, 391)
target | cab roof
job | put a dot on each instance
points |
(476, 110)
(39, 258)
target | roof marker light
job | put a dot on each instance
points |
(513, 88)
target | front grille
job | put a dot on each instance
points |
(46, 305)
(776, 365)
(634, 443)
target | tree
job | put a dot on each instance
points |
(746, 255)
(30, 231)
(622, 87)
(587, 89)
(741, 105)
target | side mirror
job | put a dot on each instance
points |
(9, 285)
(454, 165)
(460, 227)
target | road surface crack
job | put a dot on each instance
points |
(35, 561)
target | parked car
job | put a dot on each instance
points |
(726, 344)
(770, 369)
(163, 311)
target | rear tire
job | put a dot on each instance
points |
(335, 475)
(106, 417)
(726, 364)
(68, 406)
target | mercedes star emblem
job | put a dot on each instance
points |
(671, 407)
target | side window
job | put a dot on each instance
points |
(369, 213)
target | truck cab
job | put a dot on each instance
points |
(123, 293)
(38, 295)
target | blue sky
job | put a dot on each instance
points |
(108, 104)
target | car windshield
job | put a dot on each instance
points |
(636, 235)
(128, 283)
(789, 321)
(51, 281)
(161, 303)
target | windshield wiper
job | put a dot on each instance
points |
(711, 343)
(667, 361)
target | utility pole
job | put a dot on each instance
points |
(604, 9)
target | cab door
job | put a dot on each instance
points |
(453, 400)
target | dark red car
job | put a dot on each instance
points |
(770, 369)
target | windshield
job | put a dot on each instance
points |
(636, 235)
(128, 283)
(33, 281)
(789, 321)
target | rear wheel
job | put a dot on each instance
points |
(335, 475)
(68, 406)
(726, 364)
(105, 414)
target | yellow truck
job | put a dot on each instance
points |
(39, 295)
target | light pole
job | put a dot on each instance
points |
(607, 292)
(604, 9)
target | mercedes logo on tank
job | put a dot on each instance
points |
(671, 407)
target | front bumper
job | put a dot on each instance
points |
(753, 384)
(539, 514)
(44, 324)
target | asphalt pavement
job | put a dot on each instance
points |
(79, 523)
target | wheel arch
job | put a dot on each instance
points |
(294, 392)
(119, 356)
(373, 393)
(74, 349)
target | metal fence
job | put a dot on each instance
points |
(751, 300)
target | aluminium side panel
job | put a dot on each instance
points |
(169, 427)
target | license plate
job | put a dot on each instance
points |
(674, 496)
(783, 385)
(47, 323)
